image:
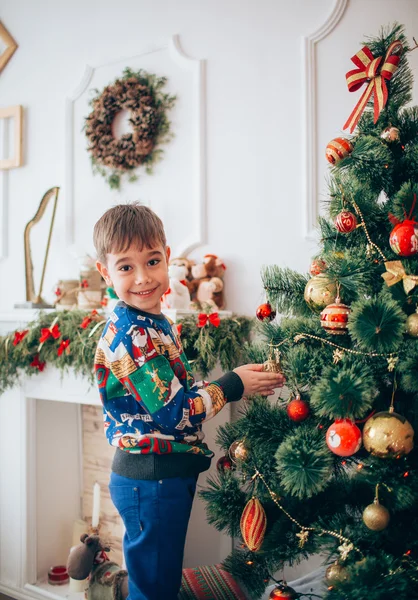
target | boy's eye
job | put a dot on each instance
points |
(153, 262)
(124, 268)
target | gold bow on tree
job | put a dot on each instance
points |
(395, 272)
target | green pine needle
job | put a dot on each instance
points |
(345, 391)
(377, 324)
(304, 463)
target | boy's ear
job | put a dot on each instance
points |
(168, 253)
(104, 272)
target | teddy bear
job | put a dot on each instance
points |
(107, 581)
(178, 294)
(207, 286)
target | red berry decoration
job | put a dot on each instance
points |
(225, 464)
(345, 221)
(317, 266)
(337, 149)
(265, 312)
(297, 409)
(334, 318)
(343, 437)
(403, 239)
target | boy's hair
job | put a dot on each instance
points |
(125, 225)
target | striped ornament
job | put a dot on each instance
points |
(337, 149)
(253, 524)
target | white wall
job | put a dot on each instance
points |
(256, 102)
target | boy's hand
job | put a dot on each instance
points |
(257, 381)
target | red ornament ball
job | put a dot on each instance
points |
(317, 266)
(334, 318)
(345, 221)
(337, 149)
(225, 464)
(265, 312)
(343, 437)
(403, 240)
(283, 591)
(297, 409)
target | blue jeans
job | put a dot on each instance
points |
(155, 515)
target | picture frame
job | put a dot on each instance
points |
(11, 46)
(16, 113)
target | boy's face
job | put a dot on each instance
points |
(139, 277)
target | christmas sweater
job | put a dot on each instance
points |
(151, 401)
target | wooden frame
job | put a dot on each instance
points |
(15, 112)
(11, 46)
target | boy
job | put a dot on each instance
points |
(153, 409)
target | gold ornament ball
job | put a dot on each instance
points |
(412, 325)
(376, 517)
(390, 134)
(388, 435)
(335, 574)
(238, 451)
(319, 292)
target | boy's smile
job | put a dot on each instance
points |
(139, 277)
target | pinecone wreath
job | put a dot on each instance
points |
(141, 94)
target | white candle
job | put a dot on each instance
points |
(96, 505)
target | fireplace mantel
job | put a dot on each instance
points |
(40, 476)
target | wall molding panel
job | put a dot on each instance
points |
(187, 71)
(310, 209)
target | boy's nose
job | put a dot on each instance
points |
(142, 277)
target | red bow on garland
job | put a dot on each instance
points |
(19, 335)
(87, 320)
(212, 318)
(368, 70)
(37, 364)
(179, 328)
(46, 333)
(64, 346)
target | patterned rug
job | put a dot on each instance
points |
(209, 583)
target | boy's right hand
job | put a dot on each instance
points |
(257, 381)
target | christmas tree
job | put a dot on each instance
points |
(332, 469)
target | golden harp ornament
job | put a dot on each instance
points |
(33, 299)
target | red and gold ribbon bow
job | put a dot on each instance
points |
(19, 335)
(395, 272)
(64, 346)
(87, 320)
(213, 318)
(368, 70)
(46, 333)
(37, 364)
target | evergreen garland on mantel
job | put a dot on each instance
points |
(68, 340)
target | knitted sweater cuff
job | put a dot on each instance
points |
(231, 385)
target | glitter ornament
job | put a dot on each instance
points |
(319, 292)
(337, 149)
(403, 239)
(334, 317)
(238, 451)
(297, 409)
(375, 516)
(317, 266)
(345, 221)
(412, 325)
(283, 591)
(388, 435)
(390, 134)
(335, 573)
(253, 524)
(225, 463)
(265, 312)
(343, 437)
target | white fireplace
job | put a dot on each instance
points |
(41, 479)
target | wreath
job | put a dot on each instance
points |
(140, 93)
